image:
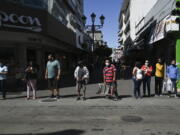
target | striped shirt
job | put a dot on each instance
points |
(108, 73)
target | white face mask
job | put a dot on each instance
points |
(146, 64)
(107, 64)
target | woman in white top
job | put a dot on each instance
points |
(137, 78)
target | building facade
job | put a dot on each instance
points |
(31, 29)
(131, 13)
(98, 38)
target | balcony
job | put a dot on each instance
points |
(127, 15)
(120, 32)
(127, 28)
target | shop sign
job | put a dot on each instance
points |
(171, 24)
(12, 20)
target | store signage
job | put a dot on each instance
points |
(171, 24)
(12, 20)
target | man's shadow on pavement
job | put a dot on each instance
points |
(65, 132)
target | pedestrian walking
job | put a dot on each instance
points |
(31, 80)
(173, 75)
(3, 79)
(109, 76)
(53, 71)
(81, 74)
(147, 69)
(137, 78)
(159, 76)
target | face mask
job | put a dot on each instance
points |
(146, 64)
(107, 64)
(174, 65)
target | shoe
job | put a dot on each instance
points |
(34, 98)
(106, 97)
(57, 97)
(52, 96)
(116, 99)
(78, 98)
(160, 95)
(84, 98)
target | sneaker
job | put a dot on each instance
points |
(84, 98)
(52, 96)
(78, 98)
(57, 97)
(106, 97)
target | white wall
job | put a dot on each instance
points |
(138, 10)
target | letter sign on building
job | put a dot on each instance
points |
(23, 22)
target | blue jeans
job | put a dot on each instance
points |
(137, 91)
(147, 82)
(3, 88)
(174, 85)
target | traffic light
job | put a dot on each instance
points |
(176, 12)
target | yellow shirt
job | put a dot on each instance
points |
(159, 70)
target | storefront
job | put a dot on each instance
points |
(30, 35)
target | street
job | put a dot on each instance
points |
(95, 116)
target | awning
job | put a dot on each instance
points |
(160, 30)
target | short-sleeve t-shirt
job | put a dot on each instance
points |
(3, 69)
(52, 68)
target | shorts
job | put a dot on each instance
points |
(81, 84)
(53, 83)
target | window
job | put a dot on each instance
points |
(36, 3)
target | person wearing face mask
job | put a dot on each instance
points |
(159, 76)
(173, 74)
(147, 69)
(81, 74)
(3, 77)
(109, 77)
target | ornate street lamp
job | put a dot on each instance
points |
(93, 28)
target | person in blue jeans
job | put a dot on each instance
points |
(137, 79)
(173, 73)
(3, 77)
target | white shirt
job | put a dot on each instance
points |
(139, 74)
(2, 70)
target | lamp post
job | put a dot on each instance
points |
(93, 28)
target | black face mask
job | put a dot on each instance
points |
(174, 65)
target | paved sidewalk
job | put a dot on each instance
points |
(95, 116)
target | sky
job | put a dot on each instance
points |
(110, 9)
